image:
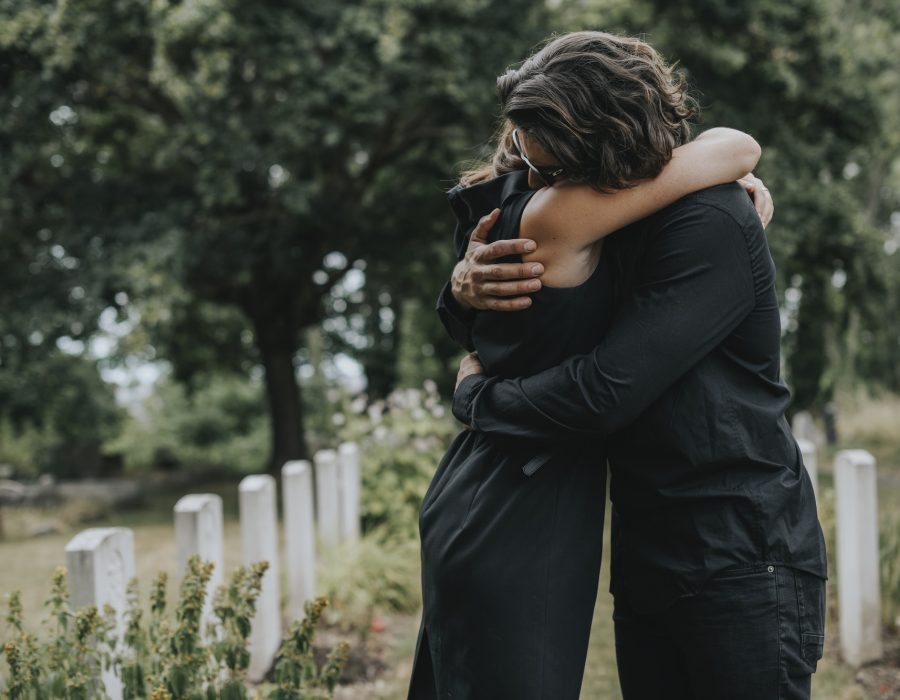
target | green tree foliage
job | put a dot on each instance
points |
(221, 424)
(257, 139)
(53, 283)
(55, 414)
(235, 175)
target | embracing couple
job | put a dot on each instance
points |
(615, 285)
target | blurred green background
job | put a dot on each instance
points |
(247, 200)
(223, 224)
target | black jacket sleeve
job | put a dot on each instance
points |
(456, 319)
(695, 287)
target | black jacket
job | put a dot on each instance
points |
(685, 388)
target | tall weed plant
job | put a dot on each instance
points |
(167, 656)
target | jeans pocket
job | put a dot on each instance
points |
(811, 611)
(812, 646)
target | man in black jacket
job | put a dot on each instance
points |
(718, 560)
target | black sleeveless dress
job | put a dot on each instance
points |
(511, 530)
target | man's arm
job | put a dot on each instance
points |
(455, 318)
(697, 286)
(479, 282)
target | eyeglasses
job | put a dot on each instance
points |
(548, 175)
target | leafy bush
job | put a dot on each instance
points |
(25, 448)
(55, 415)
(167, 658)
(222, 424)
(369, 577)
(402, 440)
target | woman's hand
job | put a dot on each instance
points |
(762, 200)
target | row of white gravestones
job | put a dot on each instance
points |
(101, 560)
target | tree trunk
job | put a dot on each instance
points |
(276, 347)
(809, 360)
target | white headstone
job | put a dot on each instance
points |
(199, 530)
(859, 587)
(259, 541)
(808, 451)
(328, 503)
(350, 491)
(100, 561)
(299, 534)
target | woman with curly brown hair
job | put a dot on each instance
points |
(594, 138)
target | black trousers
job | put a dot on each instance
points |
(752, 633)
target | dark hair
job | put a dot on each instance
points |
(608, 107)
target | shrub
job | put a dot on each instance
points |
(25, 448)
(402, 440)
(54, 416)
(169, 657)
(369, 577)
(222, 424)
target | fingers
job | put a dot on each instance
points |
(506, 271)
(483, 251)
(762, 199)
(512, 288)
(485, 224)
(766, 207)
(499, 249)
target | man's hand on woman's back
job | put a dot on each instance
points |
(478, 282)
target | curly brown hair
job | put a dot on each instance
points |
(608, 107)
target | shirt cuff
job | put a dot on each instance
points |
(456, 318)
(464, 396)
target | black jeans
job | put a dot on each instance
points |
(752, 633)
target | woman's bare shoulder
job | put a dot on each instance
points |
(564, 213)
